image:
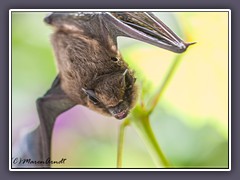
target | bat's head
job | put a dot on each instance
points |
(113, 94)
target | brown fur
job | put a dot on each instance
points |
(84, 61)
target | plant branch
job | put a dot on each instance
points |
(121, 142)
(166, 81)
(144, 130)
(140, 121)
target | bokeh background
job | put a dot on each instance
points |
(190, 122)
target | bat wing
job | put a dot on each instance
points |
(37, 144)
(146, 27)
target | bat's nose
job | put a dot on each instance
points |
(121, 115)
(120, 111)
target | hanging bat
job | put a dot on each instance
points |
(92, 71)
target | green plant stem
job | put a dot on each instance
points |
(166, 81)
(144, 130)
(140, 121)
(121, 142)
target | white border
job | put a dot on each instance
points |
(101, 10)
(229, 87)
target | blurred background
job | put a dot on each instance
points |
(190, 122)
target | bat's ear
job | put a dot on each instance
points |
(91, 95)
(123, 78)
(134, 80)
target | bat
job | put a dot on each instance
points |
(91, 70)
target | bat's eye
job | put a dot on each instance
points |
(91, 95)
(93, 99)
(115, 59)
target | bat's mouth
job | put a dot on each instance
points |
(146, 27)
(121, 115)
(118, 111)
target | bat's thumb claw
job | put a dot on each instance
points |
(191, 43)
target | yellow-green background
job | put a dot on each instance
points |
(190, 122)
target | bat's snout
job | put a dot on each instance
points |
(120, 111)
(121, 115)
